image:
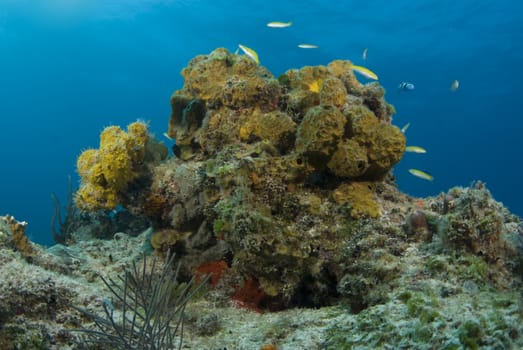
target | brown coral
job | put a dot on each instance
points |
(333, 92)
(18, 236)
(275, 127)
(318, 134)
(349, 160)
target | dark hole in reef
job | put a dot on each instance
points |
(195, 146)
(103, 181)
(229, 256)
(177, 151)
(299, 161)
(178, 248)
(357, 305)
(323, 179)
(311, 293)
(286, 143)
(314, 292)
(253, 138)
(316, 179)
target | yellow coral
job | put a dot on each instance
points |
(86, 161)
(117, 167)
(138, 137)
(106, 172)
(138, 132)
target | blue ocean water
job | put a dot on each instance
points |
(68, 68)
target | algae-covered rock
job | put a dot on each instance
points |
(471, 221)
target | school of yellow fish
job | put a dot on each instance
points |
(367, 73)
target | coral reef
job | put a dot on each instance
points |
(262, 163)
(285, 185)
(280, 192)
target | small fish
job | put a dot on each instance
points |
(367, 73)
(166, 135)
(421, 174)
(308, 46)
(405, 127)
(454, 86)
(406, 86)
(250, 52)
(364, 54)
(415, 149)
(279, 24)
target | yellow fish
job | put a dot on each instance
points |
(405, 127)
(279, 24)
(367, 73)
(421, 174)
(315, 85)
(415, 149)
(308, 46)
(250, 52)
(454, 86)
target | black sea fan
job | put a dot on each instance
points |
(151, 315)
